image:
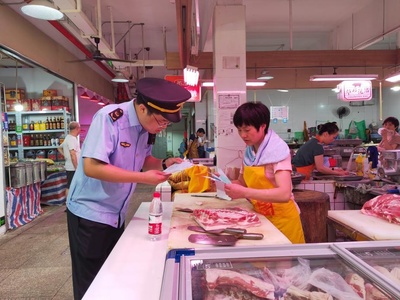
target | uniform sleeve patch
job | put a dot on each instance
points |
(116, 114)
(125, 144)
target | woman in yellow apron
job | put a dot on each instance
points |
(265, 177)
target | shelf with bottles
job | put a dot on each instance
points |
(37, 130)
(34, 124)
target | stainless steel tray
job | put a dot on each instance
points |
(348, 178)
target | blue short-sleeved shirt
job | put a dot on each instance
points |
(117, 140)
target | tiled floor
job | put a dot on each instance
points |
(35, 260)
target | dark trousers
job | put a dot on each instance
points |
(70, 175)
(202, 152)
(90, 244)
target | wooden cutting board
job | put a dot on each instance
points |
(178, 234)
(373, 227)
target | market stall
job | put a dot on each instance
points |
(140, 262)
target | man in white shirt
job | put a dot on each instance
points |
(71, 150)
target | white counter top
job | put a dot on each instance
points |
(135, 267)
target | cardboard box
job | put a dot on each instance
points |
(13, 94)
(45, 103)
(26, 103)
(36, 104)
(10, 104)
(59, 103)
(49, 93)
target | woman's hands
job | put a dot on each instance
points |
(235, 190)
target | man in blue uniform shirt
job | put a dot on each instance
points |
(115, 156)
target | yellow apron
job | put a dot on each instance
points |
(285, 216)
(306, 170)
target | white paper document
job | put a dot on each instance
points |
(220, 180)
(178, 167)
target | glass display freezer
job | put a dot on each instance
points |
(309, 271)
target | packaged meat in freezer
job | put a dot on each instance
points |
(282, 274)
(385, 260)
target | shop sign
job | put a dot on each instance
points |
(355, 90)
(195, 91)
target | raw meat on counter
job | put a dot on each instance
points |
(221, 218)
(385, 206)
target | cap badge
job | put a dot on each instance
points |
(116, 114)
(125, 144)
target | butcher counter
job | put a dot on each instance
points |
(360, 227)
(134, 269)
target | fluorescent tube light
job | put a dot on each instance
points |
(395, 77)
(248, 83)
(191, 75)
(344, 77)
(395, 88)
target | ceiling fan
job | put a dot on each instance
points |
(98, 56)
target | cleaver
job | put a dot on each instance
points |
(215, 240)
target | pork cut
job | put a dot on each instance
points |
(220, 218)
(357, 283)
(386, 207)
(226, 279)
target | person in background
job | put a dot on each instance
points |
(116, 155)
(196, 144)
(310, 155)
(390, 136)
(265, 175)
(71, 150)
(182, 148)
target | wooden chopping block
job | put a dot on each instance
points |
(314, 208)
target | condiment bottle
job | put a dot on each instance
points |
(359, 165)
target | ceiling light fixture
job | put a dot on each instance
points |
(85, 95)
(344, 77)
(394, 77)
(395, 88)
(119, 77)
(191, 75)
(42, 9)
(94, 98)
(265, 75)
(248, 83)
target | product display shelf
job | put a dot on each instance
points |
(27, 139)
(5, 161)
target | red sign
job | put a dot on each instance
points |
(355, 90)
(195, 91)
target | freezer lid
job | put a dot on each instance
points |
(381, 259)
(255, 271)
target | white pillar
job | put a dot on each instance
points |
(229, 80)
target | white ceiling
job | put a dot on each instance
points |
(270, 25)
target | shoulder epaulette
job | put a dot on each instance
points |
(116, 114)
